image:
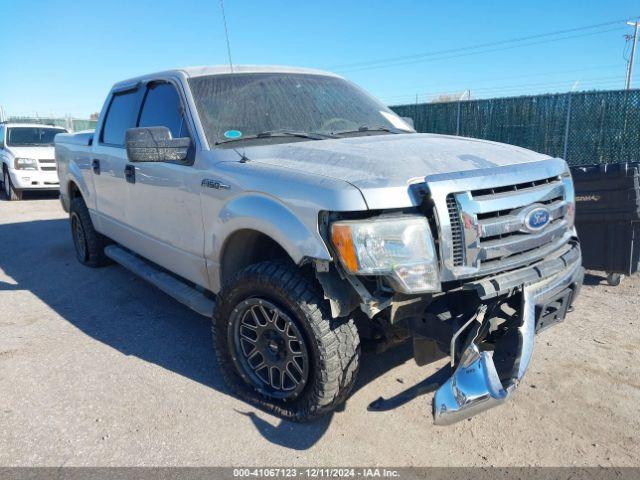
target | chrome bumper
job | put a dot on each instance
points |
(475, 386)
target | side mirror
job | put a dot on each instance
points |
(409, 120)
(155, 144)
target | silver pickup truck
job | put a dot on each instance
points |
(301, 215)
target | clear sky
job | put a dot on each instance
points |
(61, 56)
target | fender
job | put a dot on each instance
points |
(74, 175)
(72, 152)
(267, 215)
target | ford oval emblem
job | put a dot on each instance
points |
(537, 219)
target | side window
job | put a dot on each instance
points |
(121, 116)
(1, 136)
(161, 108)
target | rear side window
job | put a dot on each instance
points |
(162, 108)
(122, 115)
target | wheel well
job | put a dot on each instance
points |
(246, 247)
(74, 191)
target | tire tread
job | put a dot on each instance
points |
(14, 194)
(337, 342)
(95, 241)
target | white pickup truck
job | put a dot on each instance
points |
(301, 214)
(27, 158)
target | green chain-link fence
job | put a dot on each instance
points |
(582, 127)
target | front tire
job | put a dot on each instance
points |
(10, 193)
(88, 243)
(278, 346)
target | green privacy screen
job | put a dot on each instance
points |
(582, 127)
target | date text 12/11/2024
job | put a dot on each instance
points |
(316, 472)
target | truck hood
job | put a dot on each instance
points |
(39, 153)
(383, 166)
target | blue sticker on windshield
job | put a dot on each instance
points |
(233, 134)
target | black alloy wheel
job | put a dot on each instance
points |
(79, 237)
(269, 349)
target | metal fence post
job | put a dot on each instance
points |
(566, 127)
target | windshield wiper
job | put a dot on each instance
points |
(366, 128)
(276, 134)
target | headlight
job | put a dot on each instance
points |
(25, 164)
(400, 247)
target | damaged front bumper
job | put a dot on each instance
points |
(548, 289)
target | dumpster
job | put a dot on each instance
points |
(608, 217)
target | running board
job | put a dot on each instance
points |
(185, 294)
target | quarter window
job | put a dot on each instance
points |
(121, 116)
(162, 108)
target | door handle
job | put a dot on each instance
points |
(95, 165)
(130, 173)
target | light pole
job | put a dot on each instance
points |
(634, 42)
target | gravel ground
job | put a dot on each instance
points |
(99, 368)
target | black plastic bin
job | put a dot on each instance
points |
(608, 217)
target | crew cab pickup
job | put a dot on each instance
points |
(27, 158)
(301, 215)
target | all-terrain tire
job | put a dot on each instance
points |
(10, 193)
(88, 243)
(614, 279)
(333, 345)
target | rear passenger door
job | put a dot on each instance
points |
(109, 160)
(164, 200)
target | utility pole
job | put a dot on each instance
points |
(634, 42)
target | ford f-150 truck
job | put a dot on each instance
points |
(27, 158)
(301, 215)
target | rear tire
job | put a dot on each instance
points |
(328, 349)
(10, 193)
(614, 279)
(88, 243)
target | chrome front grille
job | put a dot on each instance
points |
(457, 239)
(486, 224)
(492, 191)
(47, 165)
(493, 223)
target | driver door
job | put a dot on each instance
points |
(163, 204)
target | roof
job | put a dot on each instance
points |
(227, 70)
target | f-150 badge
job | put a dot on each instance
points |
(207, 182)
